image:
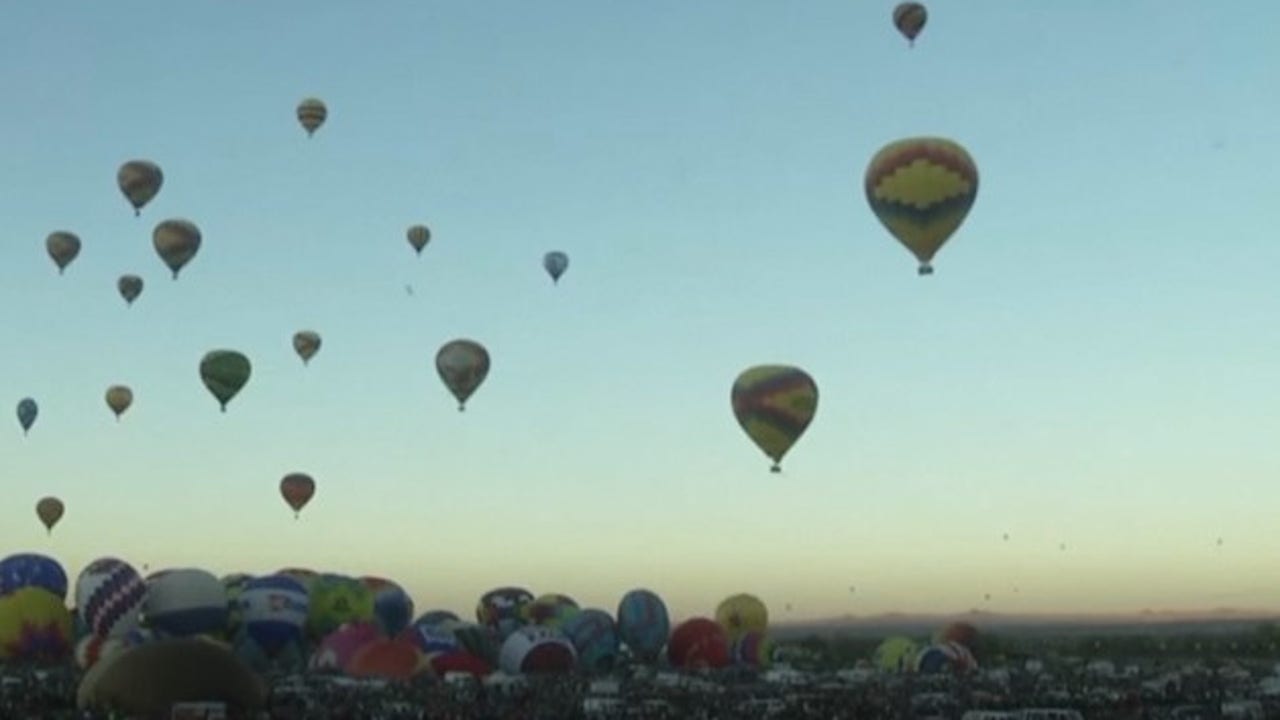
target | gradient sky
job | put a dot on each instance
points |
(1095, 362)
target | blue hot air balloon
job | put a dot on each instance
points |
(643, 623)
(32, 570)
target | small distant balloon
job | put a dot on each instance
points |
(297, 490)
(130, 287)
(177, 242)
(119, 398)
(463, 365)
(555, 263)
(49, 510)
(1006, 537)
(306, 343)
(27, 413)
(419, 236)
(140, 181)
(224, 373)
(312, 114)
(63, 247)
(909, 18)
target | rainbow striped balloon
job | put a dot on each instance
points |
(774, 404)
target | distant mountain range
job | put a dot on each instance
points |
(1218, 620)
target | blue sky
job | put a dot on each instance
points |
(1094, 363)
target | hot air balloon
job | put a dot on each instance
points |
(306, 343)
(274, 611)
(312, 114)
(742, 613)
(49, 510)
(119, 398)
(698, 643)
(27, 413)
(176, 241)
(130, 287)
(774, 404)
(297, 489)
(922, 189)
(35, 626)
(502, 609)
(185, 602)
(224, 372)
(139, 180)
(909, 18)
(63, 247)
(643, 623)
(555, 263)
(463, 365)
(419, 236)
(537, 650)
(32, 570)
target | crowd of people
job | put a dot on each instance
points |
(50, 694)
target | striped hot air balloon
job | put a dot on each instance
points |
(774, 404)
(312, 114)
(922, 189)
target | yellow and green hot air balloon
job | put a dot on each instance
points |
(774, 404)
(922, 189)
(224, 373)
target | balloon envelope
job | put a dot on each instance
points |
(35, 626)
(27, 413)
(177, 242)
(63, 247)
(311, 114)
(109, 597)
(49, 510)
(139, 181)
(224, 373)
(537, 650)
(274, 611)
(185, 602)
(419, 236)
(555, 263)
(306, 343)
(32, 570)
(742, 613)
(119, 398)
(462, 365)
(130, 287)
(643, 623)
(909, 18)
(297, 490)
(774, 404)
(921, 189)
(698, 643)
(595, 638)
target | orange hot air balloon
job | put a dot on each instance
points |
(49, 510)
(297, 489)
(909, 18)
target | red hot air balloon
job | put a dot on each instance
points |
(297, 489)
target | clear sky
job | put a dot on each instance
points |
(1094, 364)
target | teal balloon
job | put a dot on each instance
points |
(27, 412)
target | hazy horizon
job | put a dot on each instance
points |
(1092, 369)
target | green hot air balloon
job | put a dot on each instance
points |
(225, 373)
(176, 241)
(63, 247)
(139, 181)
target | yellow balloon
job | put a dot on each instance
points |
(35, 625)
(742, 613)
(921, 189)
